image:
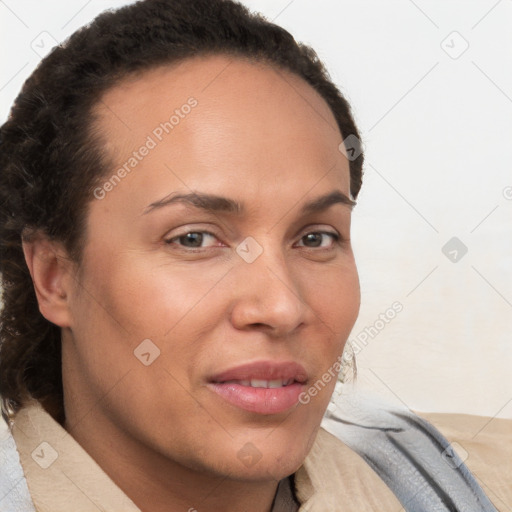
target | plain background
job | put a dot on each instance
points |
(430, 83)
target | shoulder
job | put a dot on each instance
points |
(406, 452)
(484, 444)
(14, 494)
(333, 474)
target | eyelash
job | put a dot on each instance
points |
(336, 238)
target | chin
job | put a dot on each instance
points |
(274, 458)
(268, 468)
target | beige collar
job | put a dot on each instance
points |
(62, 476)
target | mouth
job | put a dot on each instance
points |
(265, 387)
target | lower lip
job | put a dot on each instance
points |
(259, 400)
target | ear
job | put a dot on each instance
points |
(50, 269)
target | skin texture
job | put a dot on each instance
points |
(267, 140)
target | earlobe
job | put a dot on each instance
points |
(50, 271)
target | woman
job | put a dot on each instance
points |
(178, 276)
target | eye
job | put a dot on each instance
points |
(194, 239)
(319, 239)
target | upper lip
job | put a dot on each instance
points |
(264, 370)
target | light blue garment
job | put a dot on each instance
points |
(14, 494)
(412, 457)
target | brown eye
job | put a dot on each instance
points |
(193, 239)
(320, 239)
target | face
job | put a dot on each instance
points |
(218, 281)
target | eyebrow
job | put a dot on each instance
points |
(215, 203)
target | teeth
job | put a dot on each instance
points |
(260, 383)
(255, 383)
(272, 384)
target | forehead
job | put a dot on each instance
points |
(218, 79)
(220, 122)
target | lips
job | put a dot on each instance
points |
(264, 387)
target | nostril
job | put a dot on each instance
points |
(259, 325)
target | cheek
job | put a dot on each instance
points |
(131, 299)
(136, 297)
(335, 299)
(147, 297)
(334, 295)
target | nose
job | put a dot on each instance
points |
(268, 297)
